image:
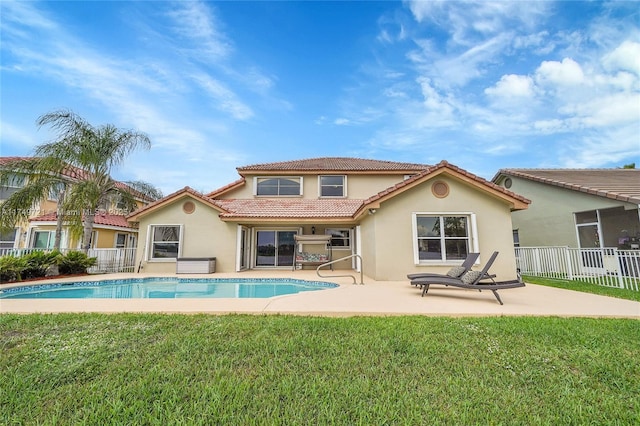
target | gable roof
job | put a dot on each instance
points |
(77, 173)
(181, 193)
(517, 202)
(300, 209)
(335, 164)
(617, 184)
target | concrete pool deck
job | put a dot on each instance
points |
(373, 298)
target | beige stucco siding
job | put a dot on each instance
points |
(358, 186)
(394, 244)
(204, 235)
(549, 220)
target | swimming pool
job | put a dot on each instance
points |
(166, 288)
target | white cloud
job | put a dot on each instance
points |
(512, 86)
(194, 21)
(624, 57)
(565, 73)
(225, 99)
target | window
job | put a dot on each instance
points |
(278, 186)
(332, 186)
(442, 238)
(121, 240)
(14, 183)
(165, 241)
(44, 239)
(516, 238)
(340, 238)
(55, 191)
(8, 239)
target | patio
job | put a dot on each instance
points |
(373, 298)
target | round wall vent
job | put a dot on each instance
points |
(188, 207)
(508, 183)
(440, 189)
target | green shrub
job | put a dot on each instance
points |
(37, 263)
(11, 268)
(76, 262)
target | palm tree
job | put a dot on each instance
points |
(78, 164)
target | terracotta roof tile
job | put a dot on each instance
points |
(77, 173)
(99, 219)
(289, 208)
(168, 198)
(440, 165)
(335, 164)
(617, 184)
(222, 190)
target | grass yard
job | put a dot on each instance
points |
(196, 369)
(586, 287)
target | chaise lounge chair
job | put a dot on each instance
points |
(455, 272)
(471, 280)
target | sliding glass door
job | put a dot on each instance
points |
(274, 248)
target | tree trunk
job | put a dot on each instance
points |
(59, 220)
(89, 218)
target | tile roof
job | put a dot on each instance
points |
(99, 219)
(335, 164)
(77, 173)
(228, 187)
(133, 216)
(445, 165)
(289, 208)
(617, 184)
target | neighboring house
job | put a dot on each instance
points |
(580, 208)
(110, 230)
(399, 217)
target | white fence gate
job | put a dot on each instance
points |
(603, 266)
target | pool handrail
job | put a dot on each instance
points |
(338, 260)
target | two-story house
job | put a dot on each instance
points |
(110, 230)
(398, 217)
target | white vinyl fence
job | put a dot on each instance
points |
(109, 260)
(603, 266)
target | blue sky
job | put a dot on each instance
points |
(217, 85)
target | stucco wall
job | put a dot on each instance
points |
(549, 219)
(204, 235)
(358, 186)
(394, 245)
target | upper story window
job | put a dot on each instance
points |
(11, 186)
(333, 186)
(278, 186)
(55, 191)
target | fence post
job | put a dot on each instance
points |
(619, 269)
(569, 263)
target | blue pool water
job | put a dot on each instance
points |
(166, 288)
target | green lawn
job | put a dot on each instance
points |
(586, 287)
(197, 369)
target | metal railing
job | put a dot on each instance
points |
(109, 260)
(349, 275)
(603, 266)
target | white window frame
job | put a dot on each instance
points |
(258, 178)
(50, 240)
(327, 231)
(472, 236)
(14, 243)
(344, 186)
(115, 240)
(150, 242)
